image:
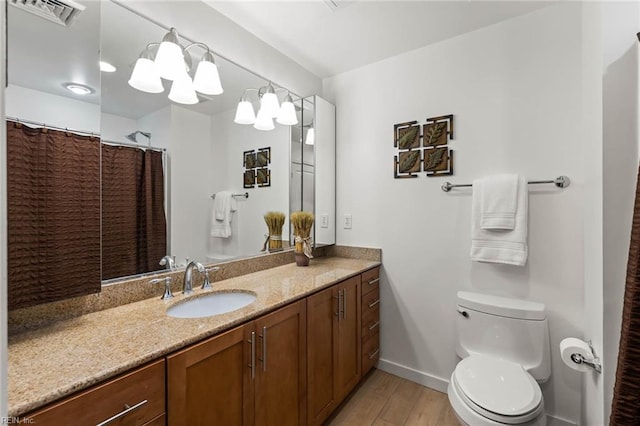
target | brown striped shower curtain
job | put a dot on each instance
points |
(53, 203)
(68, 229)
(134, 236)
(625, 409)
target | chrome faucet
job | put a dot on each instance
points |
(187, 286)
(169, 262)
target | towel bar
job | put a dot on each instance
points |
(560, 182)
(245, 195)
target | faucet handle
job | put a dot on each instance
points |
(207, 283)
(168, 261)
(167, 287)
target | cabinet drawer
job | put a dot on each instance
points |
(370, 280)
(370, 302)
(370, 322)
(370, 352)
(141, 392)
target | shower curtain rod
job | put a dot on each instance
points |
(82, 133)
(48, 126)
(133, 145)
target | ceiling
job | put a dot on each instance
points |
(43, 55)
(329, 41)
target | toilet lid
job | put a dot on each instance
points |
(498, 386)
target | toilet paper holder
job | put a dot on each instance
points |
(593, 363)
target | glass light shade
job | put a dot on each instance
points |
(182, 90)
(245, 113)
(170, 59)
(270, 104)
(287, 115)
(264, 121)
(311, 136)
(207, 79)
(145, 77)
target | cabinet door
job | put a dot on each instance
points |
(349, 348)
(281, 376)
(322, 354)
(210, 382)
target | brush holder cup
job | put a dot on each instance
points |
(301, 259)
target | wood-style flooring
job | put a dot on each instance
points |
(383, 399)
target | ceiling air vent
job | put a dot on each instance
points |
(60, 12)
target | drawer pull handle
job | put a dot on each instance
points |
(252, 365)
(372, 304)
(374, 325)
(373, 281)
(123, 413)
(372, 355)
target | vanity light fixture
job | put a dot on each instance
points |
(270, 108)
(78, 89)
(171, 61)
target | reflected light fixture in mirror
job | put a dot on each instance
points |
(311, 135)
(270, 108)
(171, 61)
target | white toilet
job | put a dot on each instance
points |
(504, 346)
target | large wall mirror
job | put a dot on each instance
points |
(173, 158)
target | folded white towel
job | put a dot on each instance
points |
(498, 201)
(500, 246)
(223, 207)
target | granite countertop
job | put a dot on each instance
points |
(58, 360)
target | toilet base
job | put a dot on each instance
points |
(468, 417)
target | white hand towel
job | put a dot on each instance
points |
(500, 246)
(223, 207)
(499, 198)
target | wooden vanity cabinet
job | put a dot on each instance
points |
(370, 319)
(333, 351)
(135, 398)
(210, 383)
(253, 374)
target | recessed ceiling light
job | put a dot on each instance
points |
(78, 89)
(106, 67)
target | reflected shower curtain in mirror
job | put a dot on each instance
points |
(53, 203)
(134, 235)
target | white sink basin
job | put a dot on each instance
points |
(211, 304)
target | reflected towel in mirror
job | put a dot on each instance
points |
(223, 207)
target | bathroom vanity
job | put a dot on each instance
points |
(290, 357)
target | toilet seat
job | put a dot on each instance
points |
(497, 389)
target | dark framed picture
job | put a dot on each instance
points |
(263, 157)
(249, 178)
(263, 177)
(249, 160)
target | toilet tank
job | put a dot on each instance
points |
(510, 329)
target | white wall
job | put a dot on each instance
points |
(620, 22)
(591, 127)
(115, 128)
(515, 90)
(59, 111)
(229, 141)
(191, 155)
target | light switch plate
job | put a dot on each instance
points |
(347, 221)
(324, 220)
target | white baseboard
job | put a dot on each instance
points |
(557, 421)
(440, 384)
(416, 376)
